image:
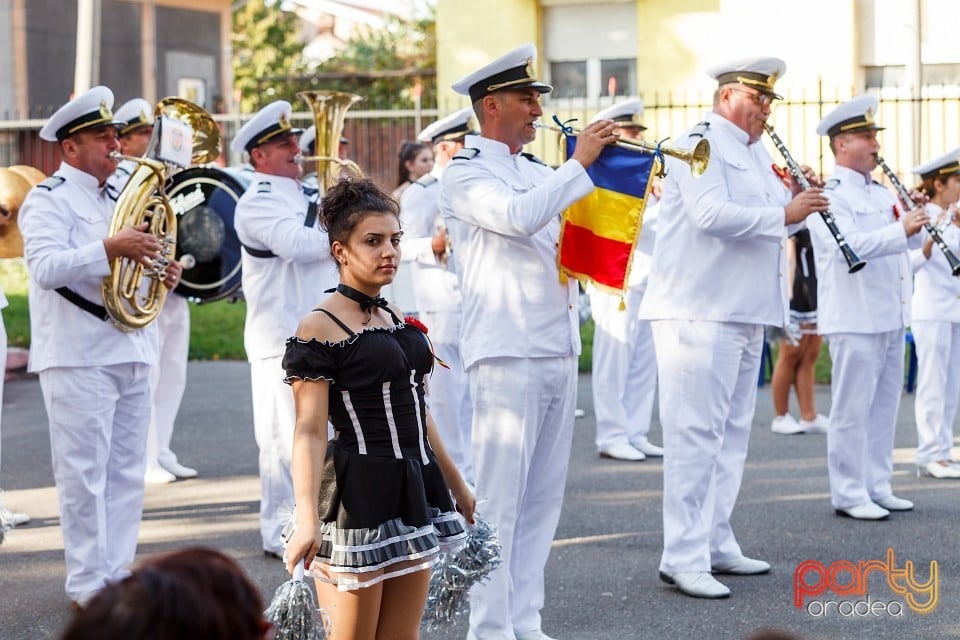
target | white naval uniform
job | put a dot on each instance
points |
(624, 361)
(936, 333)
(719, 274)
(94, 378)
(437, 303)
(863, 316)
(168, 379)
(519, 340)
(3, 359)
(279, 291)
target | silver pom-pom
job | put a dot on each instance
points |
(457, 572)
(292, 611)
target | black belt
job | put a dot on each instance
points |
(258, 253)
(90, 307)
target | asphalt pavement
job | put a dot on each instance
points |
(602, 575)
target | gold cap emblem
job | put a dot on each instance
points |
(284, 124)
(530, 71)
(868, 116)
(105, 111)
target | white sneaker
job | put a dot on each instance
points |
(158, 475)
(786, 425)
(622, 452)
(820, 424)
(893, 503)
(579, 413)
(645, 447)
(938, 470)
(180, 471)
(699, 584)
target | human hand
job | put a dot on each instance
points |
(914, 220)
(805, 203)
(174, 272)
(302, 545)
(133, 243)
(592, 140)
(466, 501)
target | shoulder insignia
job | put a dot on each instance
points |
(700, 129)
(426, 180)
(264, 187)
(831, 184)
(467, 153)
(52, 183)
(534, 159)
(122, 169)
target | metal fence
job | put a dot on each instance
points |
(917, 129)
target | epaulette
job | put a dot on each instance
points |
(52, 183)
(832, 184)
(123, 169)
(700, 129)
(533, 158)
(426, 180)
(467, 153)
(264, 187)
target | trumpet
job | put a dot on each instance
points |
(698, 158)
(854, 263)
(930, 227)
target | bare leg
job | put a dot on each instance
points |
(353, 614)
(809, 351)
(783, 371)
(401, 608)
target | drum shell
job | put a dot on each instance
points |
(205, 201)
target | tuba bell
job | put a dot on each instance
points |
(133, 294)
(13, 189)
(329, 110)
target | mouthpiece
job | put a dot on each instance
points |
(187, 261)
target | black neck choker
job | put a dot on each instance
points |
(367, 303)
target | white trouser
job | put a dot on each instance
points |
(522, 433)
(866, 382)
(448, 390)
(624, 369)
(273, 421)
(708, 391)
(3, 374)
(938, 387)
(98, 431)
(168, 379)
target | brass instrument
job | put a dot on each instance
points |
(854, 263)
(931, 228)
(329, 110)
(698, 158)
(13, 189)
(130, 302)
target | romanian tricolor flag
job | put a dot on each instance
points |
(599, 232)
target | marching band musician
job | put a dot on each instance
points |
(286, 266)
(519, 335)
(624, 362)
(863, 316)
(936, 322)
(718, 276)
(435, 286)
(168, 380)
(93, 375)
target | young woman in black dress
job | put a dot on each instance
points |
(373, 504)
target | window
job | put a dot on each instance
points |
(569, 79)
(618, 77)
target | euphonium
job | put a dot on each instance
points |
(329, 110)
(131, 302)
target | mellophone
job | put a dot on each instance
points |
(930, 227)
(853, 261)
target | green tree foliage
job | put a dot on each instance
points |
(385, 65)
(265, 46)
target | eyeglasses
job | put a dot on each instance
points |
(759, 99)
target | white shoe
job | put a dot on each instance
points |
(10, 519)
(699, 584)
(180, 471)
(158, 475)
(938, 470)
(893, 503)
(622, 452)
(820, 424)
(866, 511)
(742, 566)
(579, 413)
(786, 425)
(19, 518)
(536, 634)
(645, 447)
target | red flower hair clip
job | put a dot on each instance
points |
(415, 322)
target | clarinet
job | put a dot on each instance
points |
(930, 227)
(854, 263)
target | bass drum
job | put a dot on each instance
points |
(204, 199)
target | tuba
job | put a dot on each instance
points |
(13, 189)
(329, 110)
(133, 294)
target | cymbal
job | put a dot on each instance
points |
(13, 189)
(31, 174)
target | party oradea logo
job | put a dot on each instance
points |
(864, 589)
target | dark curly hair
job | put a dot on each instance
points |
(191, 593)
(408, 151)
(347, 202)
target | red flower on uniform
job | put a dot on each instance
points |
(414, 322)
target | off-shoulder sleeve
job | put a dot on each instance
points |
(308, 360)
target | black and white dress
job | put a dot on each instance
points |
(384, 507)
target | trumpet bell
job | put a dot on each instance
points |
(207, 141)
